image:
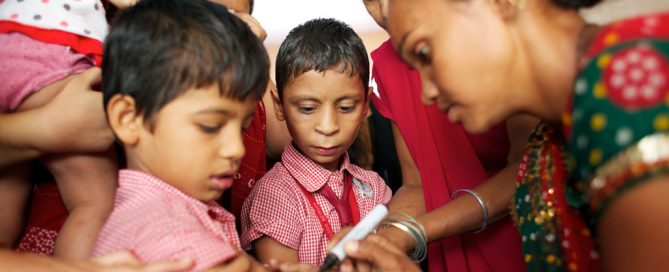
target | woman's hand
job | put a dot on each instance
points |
(375, 253)
(253, 24)
(121, 4)
(75, 120)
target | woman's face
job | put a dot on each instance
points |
(377, 9)
(464, 54)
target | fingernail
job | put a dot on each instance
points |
(345, 268)
(352, 246)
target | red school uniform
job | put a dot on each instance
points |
(281, 205)
(158, 222)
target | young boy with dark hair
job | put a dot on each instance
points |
(292, 213)
(180, 81)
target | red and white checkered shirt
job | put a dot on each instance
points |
(278, 208)
(158, 222)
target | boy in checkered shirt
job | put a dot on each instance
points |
(322, 73)
(180, 80)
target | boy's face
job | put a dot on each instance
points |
(323, 112)
(196, 143)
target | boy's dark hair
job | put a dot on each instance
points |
(321, 44)
(251, 6)
(158, 49)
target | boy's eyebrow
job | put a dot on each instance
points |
(314, 99)
(217, 111)
(355, 97)
(304, 97)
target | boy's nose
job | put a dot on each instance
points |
(232, 147)
(328, 124)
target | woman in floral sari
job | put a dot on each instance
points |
(592, 190)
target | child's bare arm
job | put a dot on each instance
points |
(266, 249)
(243, 262)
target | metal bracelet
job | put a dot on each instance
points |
(411, 220)
(484, 207)
(420, 250)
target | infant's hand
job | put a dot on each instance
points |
(121, 4)
(253, 24)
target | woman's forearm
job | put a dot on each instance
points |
(465, 214)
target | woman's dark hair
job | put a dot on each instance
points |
(575, 4)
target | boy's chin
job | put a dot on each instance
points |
(210, 197)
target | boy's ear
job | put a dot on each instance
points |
(124, 119)
(368, 100)
(278, 107)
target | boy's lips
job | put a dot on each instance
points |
(326, 150)
(223, 181)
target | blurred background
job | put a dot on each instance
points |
(278, 17)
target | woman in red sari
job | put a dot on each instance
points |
(438, 157)
(592, 187)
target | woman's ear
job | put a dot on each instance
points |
(124, 119)
(278, 107)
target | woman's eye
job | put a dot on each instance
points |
(422, 55)
(209, 128)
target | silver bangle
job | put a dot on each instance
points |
(420, 250)
(412, 221)
(484, 207)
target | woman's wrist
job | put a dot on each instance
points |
(399, 238)
(417, 238)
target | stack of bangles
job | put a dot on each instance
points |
(411, 227)
(484, 207)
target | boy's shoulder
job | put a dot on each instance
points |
(364, 175)
(150, 209)
(277, 181)
(277, 174)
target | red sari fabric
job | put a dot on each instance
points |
(253, 165)
(48, 213)
(448, 159)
